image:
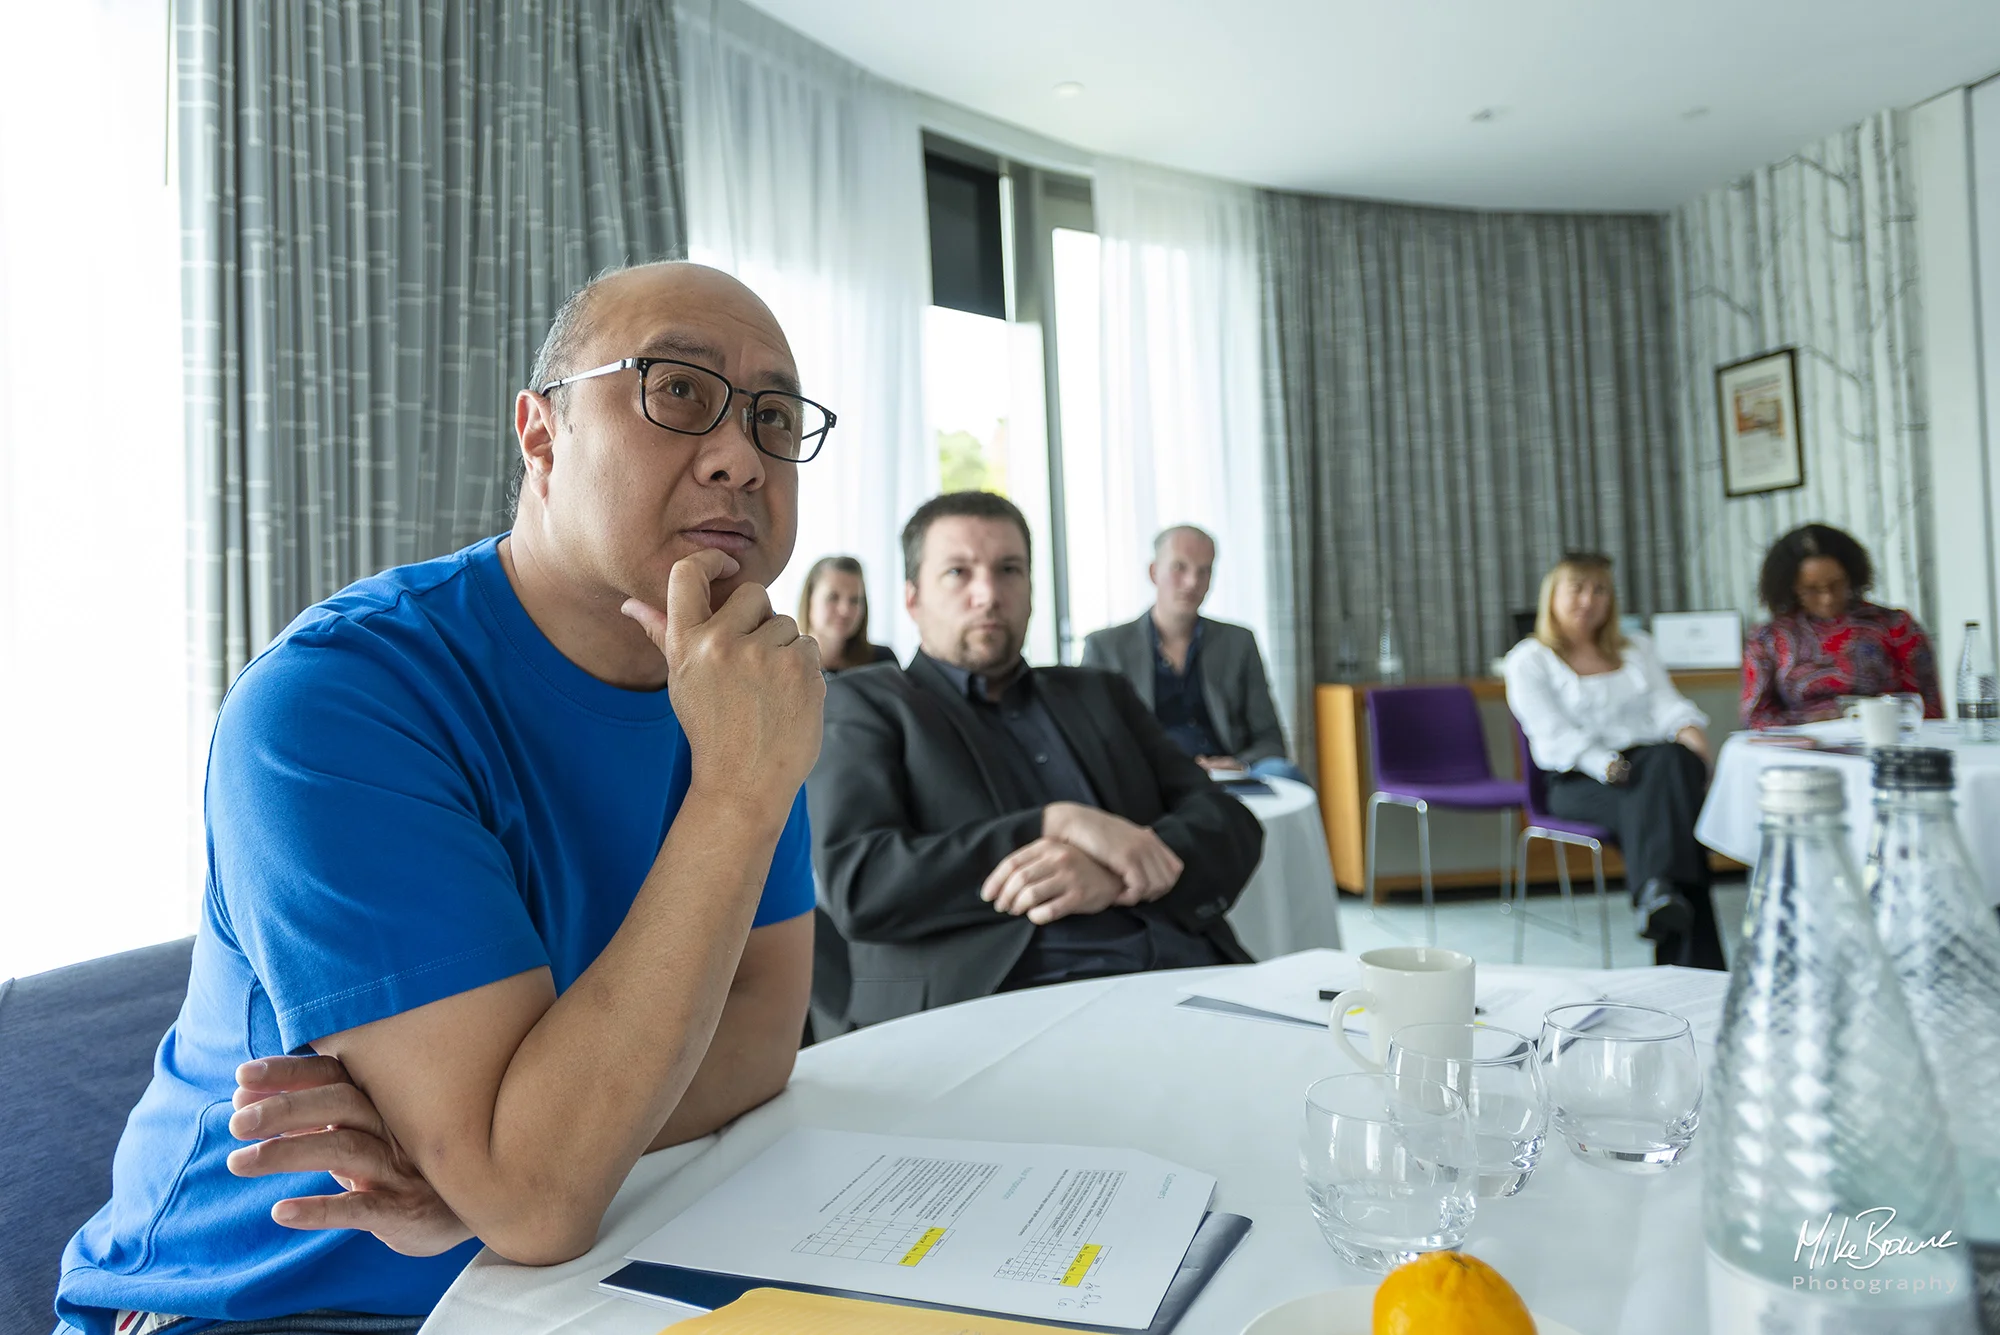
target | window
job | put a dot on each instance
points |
(1084, 474)
(990, 353)
(968, 261)
(94, 800)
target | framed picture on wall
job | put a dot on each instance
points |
(1758, 401)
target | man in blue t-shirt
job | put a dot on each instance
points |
(466, 853)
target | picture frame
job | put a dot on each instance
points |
(1757, 406)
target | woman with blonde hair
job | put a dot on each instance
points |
(833, 609)
(1623, 749)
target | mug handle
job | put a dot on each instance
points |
(1349, 1000)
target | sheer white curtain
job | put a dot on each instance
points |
(804, 177)
(94, 831)
(1180, 408)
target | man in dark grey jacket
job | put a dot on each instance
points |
(1203, 679)
(980, 825)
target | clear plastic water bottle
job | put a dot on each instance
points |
(1347, 656)
(1830, 1183)
(1978, 688)
(1389, 658)
(1935, 921)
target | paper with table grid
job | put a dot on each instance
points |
(1057, 1231)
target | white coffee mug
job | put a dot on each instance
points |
(1404, 985)
(1881, 719)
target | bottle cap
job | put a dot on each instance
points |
(1799, 790)
(1913, 767)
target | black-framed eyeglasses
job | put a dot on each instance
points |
(692, 400)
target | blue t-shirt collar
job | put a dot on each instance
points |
(549, 663)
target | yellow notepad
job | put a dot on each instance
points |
(786, 1312)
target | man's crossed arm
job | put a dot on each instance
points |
(305, 1114)
(525, 1110)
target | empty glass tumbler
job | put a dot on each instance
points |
(1624, 1084)
(1390, 1167)
(1498, 1074)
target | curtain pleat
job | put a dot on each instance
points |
(1454, 399)
(384, 202)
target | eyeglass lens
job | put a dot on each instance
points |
(692, 400)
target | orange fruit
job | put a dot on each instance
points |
(1448, 1293)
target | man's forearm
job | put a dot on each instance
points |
(748, 1062)
(601, 1067)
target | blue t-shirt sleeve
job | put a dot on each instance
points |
(346, 844)
(788, 891)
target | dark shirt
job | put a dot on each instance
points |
(1177, 697)
(1025, 739)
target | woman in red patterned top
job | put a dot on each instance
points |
(1825, 639)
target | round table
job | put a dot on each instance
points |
(1728, 821)
(1289, 903)
(1116, 1062)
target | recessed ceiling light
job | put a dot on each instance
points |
(1694, 113)
(1069, 88)
(1485, 114)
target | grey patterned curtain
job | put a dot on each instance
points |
(1455, 399)
(383, 203)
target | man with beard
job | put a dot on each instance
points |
(981, 825)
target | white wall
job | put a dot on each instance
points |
(1942, 139)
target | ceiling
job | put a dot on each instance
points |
(1591, 104)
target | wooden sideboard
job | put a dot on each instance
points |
(1465, 846)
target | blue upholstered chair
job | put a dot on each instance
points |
(76, 1051)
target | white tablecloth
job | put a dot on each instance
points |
(1728, 821)
(1115, 1062)
(1290, 903)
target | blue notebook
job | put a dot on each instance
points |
(705, 1290)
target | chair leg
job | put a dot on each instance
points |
(1562, 881)
(1374, 818)
(1506, 859)
(1521, 900)
(1424, 864)
(1603, 902)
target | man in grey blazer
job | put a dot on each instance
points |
(1203, 679)
(980, 825)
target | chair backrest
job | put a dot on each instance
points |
(76, 1052)
(1533, 777)
(832, 981)
(1426, 734)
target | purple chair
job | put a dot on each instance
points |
(1557, 830)
(1429, 750)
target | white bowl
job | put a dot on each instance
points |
(1345, 1312)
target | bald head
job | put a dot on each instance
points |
(589, 324)
(576, 333)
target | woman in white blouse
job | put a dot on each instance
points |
(1623, 749)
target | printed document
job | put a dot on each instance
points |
(1065, 1232)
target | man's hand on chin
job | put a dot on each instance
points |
(307, 1116)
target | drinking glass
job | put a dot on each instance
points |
(1624, 1084)
(1497, 1072)
(1389, 1166)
